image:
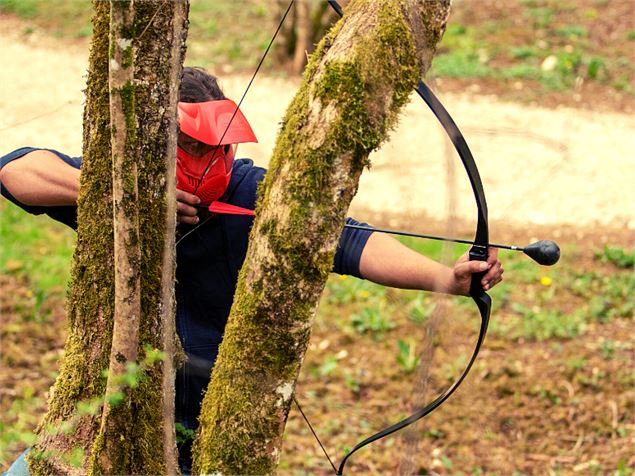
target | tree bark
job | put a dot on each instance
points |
(137, 435)
(359, 78)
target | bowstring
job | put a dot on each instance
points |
(253, 77)
(317, 438)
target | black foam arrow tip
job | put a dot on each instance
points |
(545, 252)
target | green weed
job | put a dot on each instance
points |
(420, 310)
(407, 357)
(540, 16)
(372, 320)
(617, 256)
(609, 347)
(522, 71)
(546, 394)
(595, 67)
(342, 289)
(328, 367)
(353, 381)
(539, 324)
(576, 363)
(572, 31)
(523, 52)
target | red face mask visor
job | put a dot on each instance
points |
(207, 122)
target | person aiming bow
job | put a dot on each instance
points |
(211, 247)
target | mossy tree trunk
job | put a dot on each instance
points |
(359, 78)
(136, 436)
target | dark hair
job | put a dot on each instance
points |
(197, 85)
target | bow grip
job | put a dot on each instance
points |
(477, 253)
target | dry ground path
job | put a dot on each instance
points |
(540, 166)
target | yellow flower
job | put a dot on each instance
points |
(342, 277)
(364, 294)
(546, 281)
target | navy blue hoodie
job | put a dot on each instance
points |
(208, 262)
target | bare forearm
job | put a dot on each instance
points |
(388, 262)
(41, 178)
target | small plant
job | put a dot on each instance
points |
(608, 348)
(407, 357)
(541, 17)
(540, 324)
(372, 320)
(594, 67)
(545, 393)
(328, 367)
(576, 363)
(354, 381)
(523, 52)
(617, 256)
(421, 310)
(344, 289)
(572, 31)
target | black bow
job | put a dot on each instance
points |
(477, 252)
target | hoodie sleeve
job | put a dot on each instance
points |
(349, 249)
(63, 214)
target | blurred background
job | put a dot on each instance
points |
(544, 92)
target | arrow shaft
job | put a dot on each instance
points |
(429, 237)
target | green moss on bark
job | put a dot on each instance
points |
(89, 305)
(361, 74)
(90, 301)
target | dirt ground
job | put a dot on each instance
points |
(559, 171)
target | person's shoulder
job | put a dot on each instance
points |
(246, 166)
(243, 183)
(245, 170)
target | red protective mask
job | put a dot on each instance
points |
(214, 182)
(219, 124)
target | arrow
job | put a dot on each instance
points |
(545, 252)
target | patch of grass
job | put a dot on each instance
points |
(226, 36)
(617, 256)
(17, 426)
(541, 17)
(36, 247)
(522, 71)
(26, 9)
(344, 289)
(460, 64)
(373, 320)
(420, 309)
(524, 52)
(538, 324)
(572, 31)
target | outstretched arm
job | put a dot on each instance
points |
(386, 261)
(41, 178)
